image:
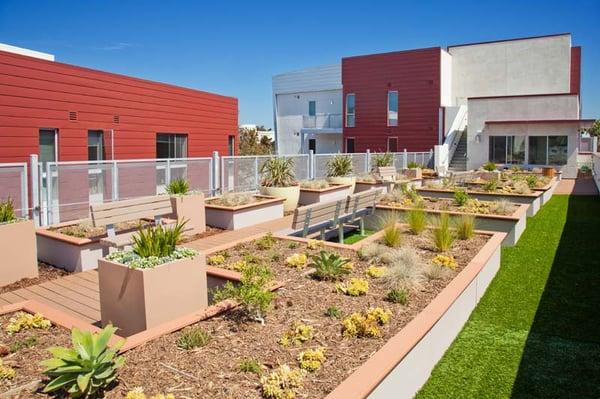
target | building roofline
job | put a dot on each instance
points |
(538, 121)
(394, 52)
(308, 69)
(522, 95)
(510, 40)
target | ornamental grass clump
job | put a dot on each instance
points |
(87, 368)
(297, 335)
(399, 296)
(416, 220)
(282, 383)
(252, 292)
(232, 200)
(502, 207)
(7, 211)
(355, 287)
(311, 360)
(443, 236)
(392, 233)
(250, 366)
(314, 184)
(193, 337)
(178, 186)
(365, 324)
(339, 166)
(405, 270)
(465, 227)
(278, 172)
(329, 266)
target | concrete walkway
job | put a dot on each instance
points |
(576, 187)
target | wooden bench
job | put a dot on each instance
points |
(107, 215)
(330, 215)
(387, 173)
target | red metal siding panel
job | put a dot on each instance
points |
(38, 94)
(415, 75)
(576, 70)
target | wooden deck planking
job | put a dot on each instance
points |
(81, 282)
(66, 301)
(26, 293)
(74, 295)
(80, 289)
(11, 297)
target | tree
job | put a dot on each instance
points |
(595, 129)
(250, 144)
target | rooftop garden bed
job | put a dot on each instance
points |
(232, 211)
(314, 191)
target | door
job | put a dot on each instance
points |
(392, 144)
(312, 145)
(350, 145)
(95, 172)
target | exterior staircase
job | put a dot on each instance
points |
(459, 159)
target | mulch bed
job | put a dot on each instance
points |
(210, 231)
(213, 370)
(26, 359)
(449, 205)
(46, 273)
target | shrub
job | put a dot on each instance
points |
(465, 227)
(443, 236)
(532, 181)
(26, 321)
(329, 266)
(293, 245)
(278, 172)
(376, 271)
(88, 367)
(412, 165)
(399, 296)
(265, 242)
(157, 241)
(339, 166)
(461, 197)
(193, 337)
(383, 159)
(6, 372)
(178, 187)
(7, 211)
(365, 324)
(297, 261)
(491, 185)
(334, 312)
(445, 261)
(489, 166)
(392, 233)
(215, 260)
(355, 287)
(251, 366)
(298, 334)
(282, 383)
(314, 184)
(252, 292)
(416, 220)
(312, 359)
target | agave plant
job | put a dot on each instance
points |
(178, 187)
(87, 368)
(7, 211)
(157, 241)
(339, 166)
(278, 172)
(384, 159)
(329, 265)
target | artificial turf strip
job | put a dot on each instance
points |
(354, 236)
(536, 331)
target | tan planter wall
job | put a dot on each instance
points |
(18, 252)
(290, 194)
(416, 173)
(343, 180)
(244, 216)
(385, 187)
(191, 208)
(70, 253)
(313, 196)
(137, 299)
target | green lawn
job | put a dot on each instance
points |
(536, 332)
(354, 236)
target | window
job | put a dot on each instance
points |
(507, 149)
(170, 145)
(350, 144)
(231, 145)
(538, 147)
(312, 108)
(48, 148)
(558, 152)
(95, 145)
(350, 110)
(312, 145)
(392, 144)
(392, 108)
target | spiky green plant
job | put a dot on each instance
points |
(193, 337)
(178, 186)
(334, 312)
(339, 166)
(251, 366)
(87, 368)
(416, 220)
(399, 296)
(465, 227)
(392, 233)
(532, 181)
(491, 185)
(413, 165)
(443, 237)
(329, 266)
(7, 211)
(383, 159)
(278, 172)
(157, 240)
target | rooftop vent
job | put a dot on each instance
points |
(116, 119)
(72, 115)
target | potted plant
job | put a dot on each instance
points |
(152, 283)
(17, 245)
(278, 180)
(187, 205)
(339, 170)
(414, 171)
(382, 160)
(490, 172)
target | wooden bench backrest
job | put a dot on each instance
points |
(122, 211)
(317, 213)
(362, 200)
(387, 172)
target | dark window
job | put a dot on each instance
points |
(350, 145)
(312, 145)
(350, 110)
(497, 149)
(47, 142)
(95, 145)
(231, 145)
(312, 108)
(169, 145)
(507, 149)
(392, 111)
(538, 150)
(558, 152)
(392, 144)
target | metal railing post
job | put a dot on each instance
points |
(255, 173)
(115, 181)
(368, 161)
(24, 192)
(311, 165)
(35, 189)
(216, 168)
(168, 173)
(405, 160)
(49, 204)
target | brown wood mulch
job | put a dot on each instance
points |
(46, 273)
(449, 205)
(210, 231)
(213, 370)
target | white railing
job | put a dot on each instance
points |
(322, 121)
(13, 186)
(445, 152)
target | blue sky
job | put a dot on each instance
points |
(234, 48)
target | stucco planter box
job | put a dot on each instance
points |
(234, 218)
(533, 200)
(513, 225)
(547, 191)
(343, 180)
(73, 254)
(488, 175)
(17, 249)
(333, 192)
(385, 186)
(415, 173)
(135, 300)
(190, 207)
(402, 366)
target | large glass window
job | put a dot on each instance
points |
(392, 111)
(497, 149)
(538, 146)
(47, 142)
(170, 145)
(350, 110)
(507, 149)
(95, 145)
(558, 152)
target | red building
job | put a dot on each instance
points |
(69, 113)
(405, 85)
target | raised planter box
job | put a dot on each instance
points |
(386, 186)
(333, 192)
(533, 200)
(415, 173)
(513, 225)
(547, 191)
(135, 300)
(190, 207)
(403, 365)
(234, 218)
(18, 249)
